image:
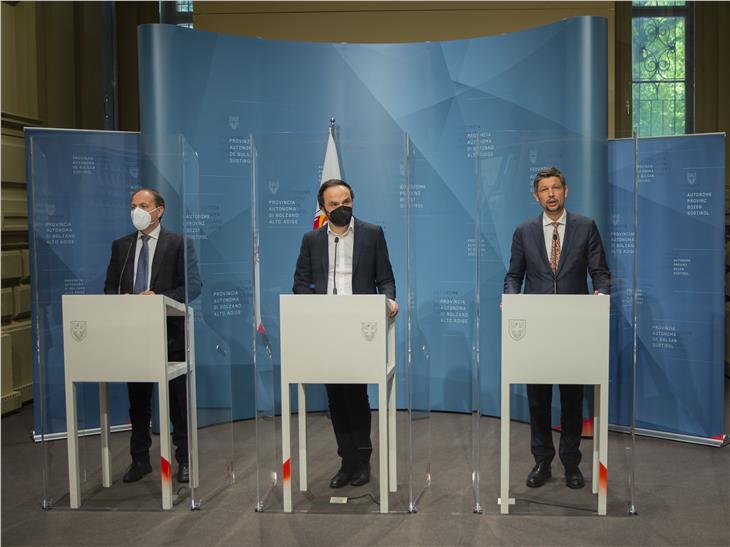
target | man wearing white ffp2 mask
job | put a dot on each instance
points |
(142, 219)
(151, 260)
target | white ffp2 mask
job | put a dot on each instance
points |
(142, 219)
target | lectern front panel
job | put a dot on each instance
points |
(334, 338)
(537, 330)
(114, 338)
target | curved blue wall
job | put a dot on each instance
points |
(535, 98)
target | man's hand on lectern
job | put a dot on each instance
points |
(393, 307)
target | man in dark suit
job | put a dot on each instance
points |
(553, 254)
(362, 267)
(151, 261)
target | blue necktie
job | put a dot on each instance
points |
(140, 280)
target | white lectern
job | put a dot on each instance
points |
(354, 325)
(123, 338)
(557, 339)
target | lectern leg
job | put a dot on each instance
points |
(106, 457)
(603, 449)
(192, 411)
(383, 439)
(392, 447)
(286, 445)
(596, 435)
(165, 445)
(193, 427)
(74, 487)
(504, 454)
(302, 416)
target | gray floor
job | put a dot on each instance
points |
(682, 494)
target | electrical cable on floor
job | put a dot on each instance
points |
(368, 495)
(553, 504)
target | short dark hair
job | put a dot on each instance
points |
(329, 184)
(546, 173)
(159, 200)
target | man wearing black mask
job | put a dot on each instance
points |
(346, 256)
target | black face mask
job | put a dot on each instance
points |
(340, 216)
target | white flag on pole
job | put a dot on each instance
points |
(330, 170)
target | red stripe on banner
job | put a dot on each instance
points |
(165, 469)
(720, 437)
(602, 477)
(286, 470)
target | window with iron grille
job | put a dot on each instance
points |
(662, 67)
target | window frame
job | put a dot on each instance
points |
(169, 14)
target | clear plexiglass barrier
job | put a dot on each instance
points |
(92, 338)
(285, 174)
(561, 424)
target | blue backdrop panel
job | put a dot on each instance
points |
(619, 245)
(536, 97)
(78, 202)
(681, 312)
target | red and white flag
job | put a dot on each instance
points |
(330, 170)
(257, 297)
(256, 261)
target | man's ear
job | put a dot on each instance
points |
(534, 195)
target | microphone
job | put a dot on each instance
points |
(126, 258)
(334, 271)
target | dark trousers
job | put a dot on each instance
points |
(140, 413)
(350, 413)
(540, 397)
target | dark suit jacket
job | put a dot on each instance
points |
(371, 269)
(168, 276)
(581, 254)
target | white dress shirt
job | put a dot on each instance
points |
(547, 229)
(151, 246)
(345, 248)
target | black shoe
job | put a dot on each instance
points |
(340, 479)
(136, 471)
(539, 475)
(361, 476)
(574, 478)
(183, 473)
